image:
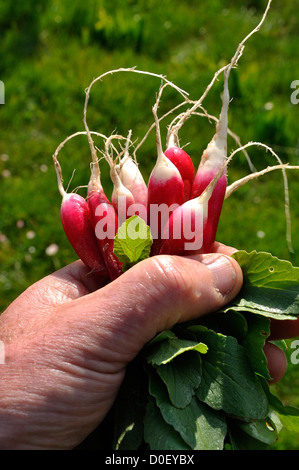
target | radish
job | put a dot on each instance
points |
(184, 164)
(174, 190)
(188, 226)
(76, 222)
(212, 160)
(165, 191)
(104, 220)
(132, 178)
(122, 199)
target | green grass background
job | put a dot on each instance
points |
(51, 51)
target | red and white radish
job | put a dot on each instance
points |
(129, 196)
(184, 164)
(105, 222)
(182, 208)
(77, 225)
(165, 191)
(187, 228)
(131, 177)
(212, 160)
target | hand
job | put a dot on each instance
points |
(68, 339)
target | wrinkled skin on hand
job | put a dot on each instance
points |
(68, 339)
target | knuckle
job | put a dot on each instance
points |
(173, 275)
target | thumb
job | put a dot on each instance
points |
(159, 292)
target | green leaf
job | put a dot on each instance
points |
(179, 365)
(129, 408)
(157, 433)
(260, 430)
(182, 377)
(230, 323)
(132, 242)
(270, 288)
(228, 382)
(241, 440)
(288, 415)
(173, 347)
(258, 332)
(201, 427)
(165, 334)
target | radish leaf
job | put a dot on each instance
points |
(132, 242)
(173, 347)
(201, 427)
(228, 382)
(159, 434)
(182, 377)
(270, 287)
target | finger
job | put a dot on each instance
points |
(30, 310)
(81, 278)
(155, 295)
(276, 362)
(221, 248)
(283, 329)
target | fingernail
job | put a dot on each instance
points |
(222, 271)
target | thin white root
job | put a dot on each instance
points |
(234, 136)
(157, 124)
(71, 178)
(153, 125)
(233, 63)
(239, 183)
(111, 72)
(59, 176)
(285, 181)
(62, 144)
(126, 152)
(175, 129)
(128, 143)
(108, 154)
(95, 170)
(109, 145)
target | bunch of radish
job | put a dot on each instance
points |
(180, 203)
(174, 194)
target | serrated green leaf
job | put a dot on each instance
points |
(270, 288)
(132, 242)
(228, 382)
(265, 270)
(201, 427)
(182, 377)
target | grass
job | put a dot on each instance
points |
(52, 50)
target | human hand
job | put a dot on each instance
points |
(68, 340)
